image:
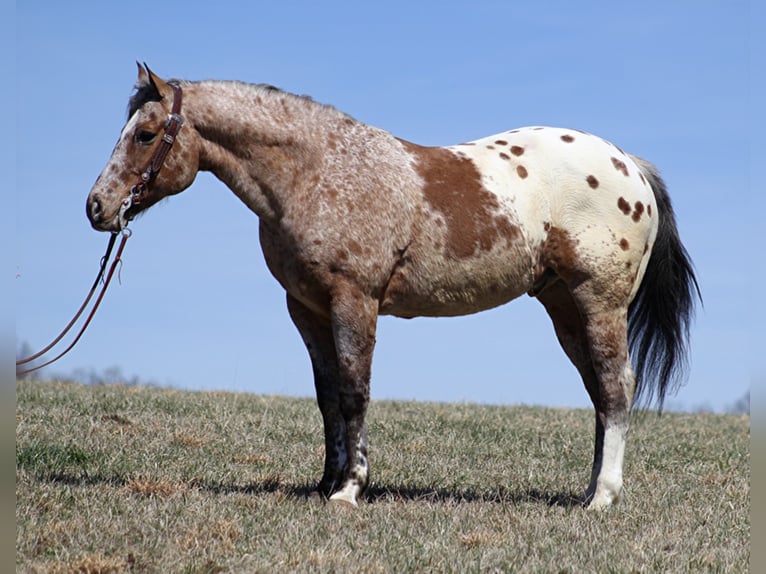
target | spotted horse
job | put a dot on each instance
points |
(356, 223)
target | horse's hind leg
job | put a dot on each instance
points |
(570, 331)
(318, 338)
(595, 340)
(607, 334)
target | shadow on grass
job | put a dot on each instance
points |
(461, 496)
(377, 493)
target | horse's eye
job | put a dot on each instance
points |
(144, 137)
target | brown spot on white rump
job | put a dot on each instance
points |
(522, 171)
(619, 165)
(452, 186)
(517, 150)
(624, 206)
(592, 181)
(638, 210)
(624, 244)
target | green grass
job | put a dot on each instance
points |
(132, 479)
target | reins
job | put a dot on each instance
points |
(104, 261)
(138, 194)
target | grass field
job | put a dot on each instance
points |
(134, 479)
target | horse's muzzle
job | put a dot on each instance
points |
(98, 220)
(95, 211)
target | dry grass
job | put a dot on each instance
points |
(129, 479)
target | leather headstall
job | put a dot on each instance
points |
(141, 191)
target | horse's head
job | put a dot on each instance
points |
(132, 180)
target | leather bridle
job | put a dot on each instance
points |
(142, 190)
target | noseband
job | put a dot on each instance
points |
(141, 191)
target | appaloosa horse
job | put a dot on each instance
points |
(355, 223)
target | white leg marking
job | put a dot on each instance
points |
(352, 487)
(609, 481)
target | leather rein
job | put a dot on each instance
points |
(138, 194)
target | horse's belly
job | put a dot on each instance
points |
(438, 286)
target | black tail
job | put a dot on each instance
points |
(660, 315)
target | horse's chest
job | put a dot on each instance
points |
(308, 264)
(301, 278)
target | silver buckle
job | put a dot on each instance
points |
(174, 118)
(123, 219)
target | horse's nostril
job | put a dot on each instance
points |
(95, 210)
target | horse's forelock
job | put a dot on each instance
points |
(144, 93)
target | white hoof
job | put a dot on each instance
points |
(346, 496)
(604, 498)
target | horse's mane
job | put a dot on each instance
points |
(271, 90)
(145, 93)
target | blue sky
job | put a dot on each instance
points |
(671, 81)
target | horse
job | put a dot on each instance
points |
(355, 223)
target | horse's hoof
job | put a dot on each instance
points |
(603, 500)
(346, 497)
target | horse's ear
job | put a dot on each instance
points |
(160, 85)
(143, 77)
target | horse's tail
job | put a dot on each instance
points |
(660, 315)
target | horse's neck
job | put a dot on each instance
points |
(259, 142)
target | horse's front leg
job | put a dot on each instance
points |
(317, 335)
(354, 319)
